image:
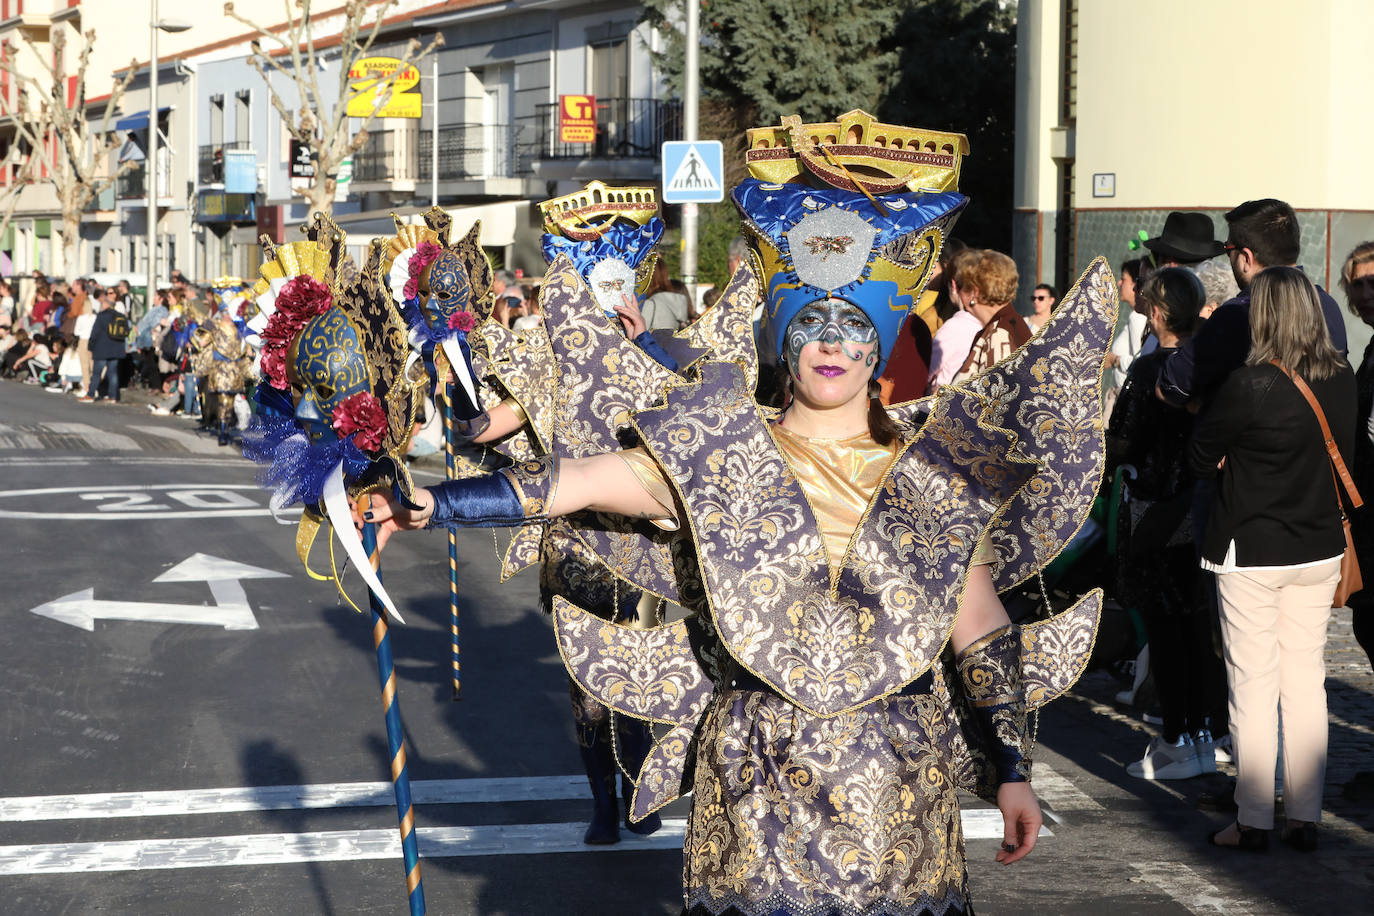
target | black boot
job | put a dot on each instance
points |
(599, 761)
(635, 743)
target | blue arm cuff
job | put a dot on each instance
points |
(475, 502)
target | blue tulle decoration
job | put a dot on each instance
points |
(294, 468)
(415, 320)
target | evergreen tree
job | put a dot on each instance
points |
(942, 64)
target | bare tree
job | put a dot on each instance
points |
(63, 148)
(18, 167)
(317, 123)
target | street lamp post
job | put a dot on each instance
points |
(155, 25)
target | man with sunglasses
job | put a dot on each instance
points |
(1262, 233)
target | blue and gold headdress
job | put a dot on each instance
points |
(852, 209)
(609, 234)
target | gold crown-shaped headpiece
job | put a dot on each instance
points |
(858, 153)
(583, 214)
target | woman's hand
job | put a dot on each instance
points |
(390, 516)
(1021, 820)
(631, 317)
(1112, 361)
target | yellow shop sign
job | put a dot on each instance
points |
(368, 76)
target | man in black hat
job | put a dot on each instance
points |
(1186, 240)
(1262, 233)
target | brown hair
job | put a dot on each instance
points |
(990, 272)
(659, 281)
(1287, 324)
(880, 426)
(1179, 296)
(1363, 254)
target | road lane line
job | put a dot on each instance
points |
(1059, 793)
(285, 798)
(1189, 889)
(189, 441)
(325, 846)
(349, 845)
(98, 438)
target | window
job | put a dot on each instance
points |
(216, 120)
(243, 106)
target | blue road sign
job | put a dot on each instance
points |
(693, 172)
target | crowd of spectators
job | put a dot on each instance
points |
(1231, 525)
(93, 342)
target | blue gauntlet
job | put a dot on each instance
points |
(508, 497)
(990, 669)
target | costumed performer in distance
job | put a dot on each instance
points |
(840, 554)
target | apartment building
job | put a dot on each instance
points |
(122, 35)
(499, 77)
(1128, 111)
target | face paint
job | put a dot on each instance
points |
(830, 321)
(327, 365)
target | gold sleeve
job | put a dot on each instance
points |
(650, 477)
(515, 407)
(984, 555)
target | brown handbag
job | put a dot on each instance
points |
(1351, 581)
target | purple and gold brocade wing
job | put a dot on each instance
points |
(829, 643)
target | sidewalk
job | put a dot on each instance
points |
(1349, 789)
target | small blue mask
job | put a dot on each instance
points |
(327, 366)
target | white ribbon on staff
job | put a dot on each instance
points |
(460, 368)
(336, 506)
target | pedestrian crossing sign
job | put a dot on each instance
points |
(693, 172)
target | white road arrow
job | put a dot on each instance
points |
(230, 610)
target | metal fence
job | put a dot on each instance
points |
(382, 157)
(210, 167)
(625, 129)
(467, 151)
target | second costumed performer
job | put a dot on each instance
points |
(846, 665)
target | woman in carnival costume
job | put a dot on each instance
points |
(847, 664)
(609, 235)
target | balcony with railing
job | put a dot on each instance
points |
(132, 186)
(210, 161)
(387, 156)
(625, 129)
(466, 152)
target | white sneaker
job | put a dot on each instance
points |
(1163, 760)
(159, 411)
(1222, 750)
(1206, 750)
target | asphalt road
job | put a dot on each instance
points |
(214, 743)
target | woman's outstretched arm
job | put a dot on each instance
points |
(602, 483)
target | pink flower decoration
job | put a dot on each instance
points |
(361, 416)
(462, 321)
(304, 297)
(301, 299)
(274, 366)
(426, 253)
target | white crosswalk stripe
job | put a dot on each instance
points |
(979, 823)
(98, 438)
(188, 440)
(13, 438)
(56, 437)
